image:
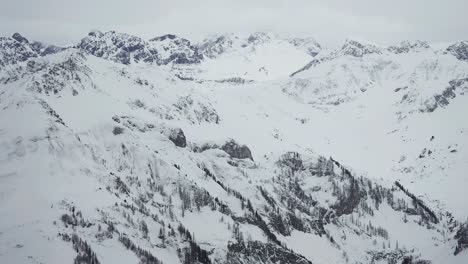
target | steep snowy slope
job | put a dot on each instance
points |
(403, 109)
(119, 151)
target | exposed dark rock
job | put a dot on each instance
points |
(231, 147)
(236, 150)
(17, 36)
(396, 256)
(174, 49)
(117, 130)
(258, 252)
(177, 136)
(357, 49)
(164, 37)
(235, 80)
(449, 93)
(14, 50)
(118, 47)
(462, 238)
(408, 46)
(459, 50)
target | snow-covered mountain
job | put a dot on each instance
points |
(237, 149)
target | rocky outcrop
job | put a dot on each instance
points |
(257, 252)
(357, 49)
(172, 48)
(118, 47)
(177, 136)
(462, 238)
(236, 150)
(234, 80)
(457, 86)
(459, 50)
(15, 49)
(231, 147)
(408, 46)
(18, 48)
(18, 37)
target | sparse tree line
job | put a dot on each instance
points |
(85, 255)
(418, 203)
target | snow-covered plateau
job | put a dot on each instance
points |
(237, 149)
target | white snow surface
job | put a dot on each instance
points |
(59, 149)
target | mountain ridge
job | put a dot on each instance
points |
(124, 150)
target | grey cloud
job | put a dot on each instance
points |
(64, 21)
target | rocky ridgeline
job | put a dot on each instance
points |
(455, 87)
(359, 49)
(153, 189)
(17, 48)
(126, 49)
(409, 46)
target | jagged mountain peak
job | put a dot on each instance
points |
(15, 49)
(409, 46)
(357, 48)
(119, 47)
(169, 37)
(18, 37)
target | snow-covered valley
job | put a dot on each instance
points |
(237, 149)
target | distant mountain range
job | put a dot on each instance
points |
(252, 148)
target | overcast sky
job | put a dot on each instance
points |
(329, 21)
